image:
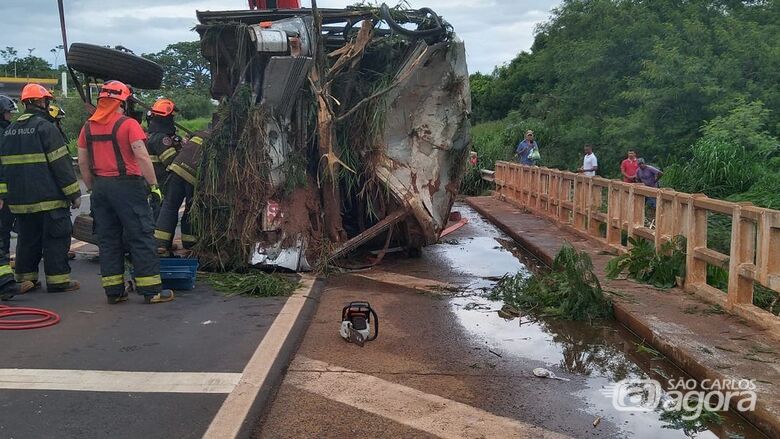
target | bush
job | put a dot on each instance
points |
(75, 116)
(191, 105)
(643, 264)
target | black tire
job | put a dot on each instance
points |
(106, 63)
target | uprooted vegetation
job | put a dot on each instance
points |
(324, 136)
(570, 290)
(253, 283)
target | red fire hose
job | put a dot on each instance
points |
(9, 318)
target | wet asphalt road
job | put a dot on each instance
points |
(453, 345)
(200, 332)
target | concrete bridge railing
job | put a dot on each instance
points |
(605, 210)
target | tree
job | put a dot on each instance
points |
(33, 66)
(184, 66)
(643, 75)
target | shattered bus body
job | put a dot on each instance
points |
(361, 121)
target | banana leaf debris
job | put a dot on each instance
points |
(338, 130)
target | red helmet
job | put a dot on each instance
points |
(163, 107)
(35, 91)
(115, 90)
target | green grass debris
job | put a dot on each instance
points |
(569, 291)
(254, 283)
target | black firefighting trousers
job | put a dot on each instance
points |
(177, 191)
(123, 221)
(44, 234)
(7, 285)
(6, 226)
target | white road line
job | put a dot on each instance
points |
(117, 381)
(432, 414)
(233, 413)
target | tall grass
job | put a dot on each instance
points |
(195, 124)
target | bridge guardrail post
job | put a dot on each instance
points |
(743, 245)
(696, 269)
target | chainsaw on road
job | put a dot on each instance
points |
(356, 321)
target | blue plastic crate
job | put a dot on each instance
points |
(178, 273)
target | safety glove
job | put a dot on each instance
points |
(155, 194)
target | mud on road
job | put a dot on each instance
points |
(446, 365)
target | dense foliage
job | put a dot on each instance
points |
(657, 76)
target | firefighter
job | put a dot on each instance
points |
(7, 108)
(116, 166)
(179, 189)
(41, 185)
(163, 142)
(8, 288)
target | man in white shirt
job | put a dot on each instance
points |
(589, 163)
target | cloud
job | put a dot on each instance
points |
(494, 30)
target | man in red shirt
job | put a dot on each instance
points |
(114, 163)
(629, 166)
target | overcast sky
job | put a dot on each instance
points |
(494, 30)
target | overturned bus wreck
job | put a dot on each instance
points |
(338, 130)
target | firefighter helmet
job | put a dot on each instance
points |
(163, 107)
(35, 91)
(7, 105)
(115, 90)
(56, 112)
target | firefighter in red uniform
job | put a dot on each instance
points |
(179, 189)
(41, 185)
(116, 166)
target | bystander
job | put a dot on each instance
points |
(525, 148)
(629, 167)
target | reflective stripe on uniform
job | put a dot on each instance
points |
(112, 281)
(183, 173)
(188, 238)
(58, 153)
(71, 189)
(196, 139)
(154, 158)
(148, 281)
(57, 279)
(37, 207)
(168, 153)
(3, 188)
(24, 116)
(162, 235)
(5, 270)
(24, 159)
(21, 277)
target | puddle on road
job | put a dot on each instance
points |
(596, 356)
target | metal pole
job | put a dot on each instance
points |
(65, 49)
